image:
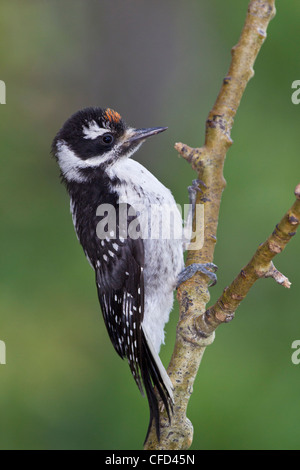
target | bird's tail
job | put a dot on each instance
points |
(154, 375)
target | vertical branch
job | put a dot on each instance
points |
(208, 162)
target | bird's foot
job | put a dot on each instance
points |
(193, 190)
(208, 269)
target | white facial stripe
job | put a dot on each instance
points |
(70, 163)
(96, 161)
(93, 131)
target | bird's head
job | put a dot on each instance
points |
(94, 139)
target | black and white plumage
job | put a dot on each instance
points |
(135, 277)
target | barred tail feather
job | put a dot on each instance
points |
(155, 375)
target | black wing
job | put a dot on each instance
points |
(120, 285)
(119, 266)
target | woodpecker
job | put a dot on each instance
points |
(135, 275)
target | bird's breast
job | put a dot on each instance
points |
(157, 210)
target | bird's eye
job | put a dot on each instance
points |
(107, 139)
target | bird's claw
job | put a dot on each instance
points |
(208, 269)
(196, 186)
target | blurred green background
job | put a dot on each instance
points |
(158, 64)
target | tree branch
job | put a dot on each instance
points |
(195, 329)
(260, 266)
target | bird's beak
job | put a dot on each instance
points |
(141, 134)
